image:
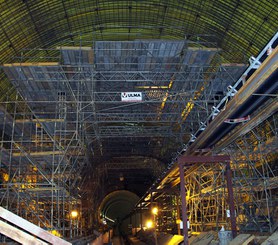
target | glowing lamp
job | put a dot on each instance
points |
(149, 224)
(155, 210)
(74, 214)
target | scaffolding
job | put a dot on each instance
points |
(254, 185)
(68, 114)
(251, 144)
(254, 167)
(41, 160)
(180, 82)
(255, 176)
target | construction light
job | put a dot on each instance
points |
(149, 224)
(155, 210)
(74, 214)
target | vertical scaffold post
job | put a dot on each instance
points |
(231, 199)
(183, 204)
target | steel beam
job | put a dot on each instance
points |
(264, 113)
(250, 87)
(203, 159)
(183, 205)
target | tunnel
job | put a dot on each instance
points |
(109, 109)
(115, 209)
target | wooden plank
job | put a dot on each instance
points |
(203, 239)
(260, 239)
(233, 64)
(250, 239)
(32, 64)
(42, 120)
(19, 235)
(175, 240)
(74, 48)
(45, 153)
(203, 48)
(273, 239)
(240, 239)
(35, 189)
(91, 56)
(31, 228)
(38, 153)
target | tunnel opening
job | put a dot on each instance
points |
(115, 209)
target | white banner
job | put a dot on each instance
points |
(131, 96)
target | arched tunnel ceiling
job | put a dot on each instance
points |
(117, 205)
(238, 29)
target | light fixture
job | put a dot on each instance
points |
(74, 214)
(155, 210)
(149, 224)
(122, 178)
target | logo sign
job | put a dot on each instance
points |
(131, 96)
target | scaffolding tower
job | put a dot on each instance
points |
(68, 113)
